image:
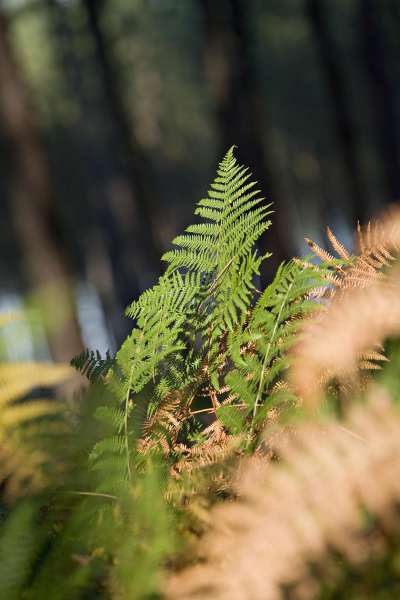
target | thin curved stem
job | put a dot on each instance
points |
(95, 494)
(126, 423)
(265, 361)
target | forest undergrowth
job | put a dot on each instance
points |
(244, 441)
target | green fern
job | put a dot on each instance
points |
(200, 336)
(205, 292)
(160, 332)
(91, 364)
(161, 314)
(222, 247)
(20, 541)
(195, 324)
(260, 351)
(187, 394)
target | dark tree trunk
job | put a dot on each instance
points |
(63, 35)
(117, 178)
(33, 206)
(382, 95)
(328, 53)
(240, 107)
(130, 197)
(123, 136)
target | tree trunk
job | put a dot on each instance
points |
(382, 95)
(33, 208)
(117, 178)
(239, 106)
(123, 138)
(335, 79)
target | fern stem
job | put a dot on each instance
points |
(212, 410)
(202, 410)
(215, 282)
(96, 494)
(126, 424)
(265, 361)
(352, 433)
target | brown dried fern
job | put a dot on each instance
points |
(332, 343)
(304, 511)
(378, 244)
(362, 311)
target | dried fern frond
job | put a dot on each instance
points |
(22, 458)
(318, 251)
(333, 342)
(17, 379)
(339, 248)
(310, 510)
(217, 445)
(382, 235)
(378, 246)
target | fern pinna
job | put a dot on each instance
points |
(205, 340)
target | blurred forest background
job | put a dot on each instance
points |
(113, 114)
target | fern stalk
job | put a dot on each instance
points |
(126, 433)
(266, 358)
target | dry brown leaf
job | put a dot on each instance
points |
(295, 513)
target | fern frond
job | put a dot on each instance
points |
(20, 541)
(182, 321)
(91, 364)
(378, 246)
(15, 415)
(22, 459)
(268, 335)
(109, 445)
(111, 415)
(223, 245)
(339, 248)
(356, 321)
(161, 314)
(17, 379)
(318, 251)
